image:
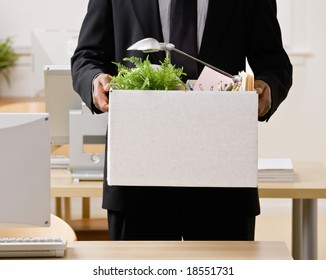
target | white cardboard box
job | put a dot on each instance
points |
(182, 138)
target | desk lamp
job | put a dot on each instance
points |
(149, 45)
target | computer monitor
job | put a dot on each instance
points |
(25, 197)
(60, 98)
(50, 46)
(73, 123)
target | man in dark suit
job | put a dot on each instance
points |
(229, 32)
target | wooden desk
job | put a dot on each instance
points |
(177, 250)
(64, 187)
(309, 185)
(22, 104)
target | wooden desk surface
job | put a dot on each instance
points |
(63, 185)
(310, 183)
(22, 105)
(174, 250)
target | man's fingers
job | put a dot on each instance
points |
(104, 80)
(259, 90)
(101, 88)
(265, 98)
(106, 87)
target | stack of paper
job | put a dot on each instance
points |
(275, 170)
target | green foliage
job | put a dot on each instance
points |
(7, 58)
(147, 77)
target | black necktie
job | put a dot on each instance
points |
(183, 34)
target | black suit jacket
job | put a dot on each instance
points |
(234, 30)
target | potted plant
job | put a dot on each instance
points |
(7, 58)
(146, 76)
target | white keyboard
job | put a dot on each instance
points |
(32, 247)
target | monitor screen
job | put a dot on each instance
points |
(50, 46)
(25, 197)
(60, 98)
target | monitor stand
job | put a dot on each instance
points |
(86, 128)
(59, 162)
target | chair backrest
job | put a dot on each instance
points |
(58, 228)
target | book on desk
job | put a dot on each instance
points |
(275, 170)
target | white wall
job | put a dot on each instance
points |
(18, 19)
(297, 130)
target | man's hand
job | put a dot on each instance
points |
(101, 88)
(265, 97)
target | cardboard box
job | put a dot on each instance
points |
(182, 138)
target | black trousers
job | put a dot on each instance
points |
(179, 225)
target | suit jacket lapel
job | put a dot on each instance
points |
(219, 15)
(148, 17)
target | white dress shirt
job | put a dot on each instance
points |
(202, 6)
